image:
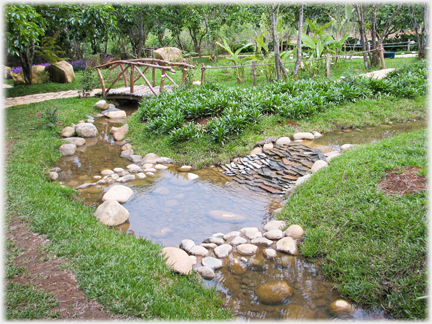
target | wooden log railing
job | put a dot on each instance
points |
(147, 63)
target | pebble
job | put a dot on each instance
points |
(275, 234)
(238, 240)
(206, 272)
(231, 235)
(212, 262)
(270, 253)
(199, 251)
(274, 224)
(247, 249)
(222, 251)
(187, 245)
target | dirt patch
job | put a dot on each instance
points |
(408, 181)
(45, 273)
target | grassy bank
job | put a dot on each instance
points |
(125, 274)
(372, 245)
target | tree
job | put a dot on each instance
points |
(273, 10)
(299, 53)
(24, 27)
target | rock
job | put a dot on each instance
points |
(111, 213)
(90, 120)
(194, 259)
(120, 133)
(300, 180)
(119, 170)
(316, 134)
(297, 312)
(274, 293)
(196, 83)
(114, 176)
(171, 54)
(56, 169)
(134, 158)
(67, 149)
(199, 251)
(133, 168)
(251, 232)
(223, 251)
(160, 167)
(85, 185)
(61, 72)
(275, 234)
(78, 141)
(270, 253)
(294, 231)
(128, 177)
(110, 109)
(148, 165)
(262, 241)
(256, 150)
(150, 174)
(126, 147)
(185, 168)
(217, 240)
(268, 146)
(163, 160)
(283, 140)
(101, 104)
(118, 114)
(286, 261)
(126, 153)
(274, 224)
(341, 308)
(39, 76)
(238, 240)
(224, 216)
(287, 245)
(178, 260)
(206, 272)
(212, 263)
(238, 268)
(97, 177)
(86, 130)
(119, 193)
(53, 176)
(331, 157)
(107, 172)
(218, 235)
(318, 165)
(68, 131)
(346, 147)
(231, 235)
(150, 158)
(247, 249)
(141, 175)
(209, 246)
(192, 176)
(303, 136)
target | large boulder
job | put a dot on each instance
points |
(38, 73)
(86, 130)
(274, 293)
(171, 54)
(120, 133)
(119, 193)
(178, 260)
(61, 72)
(111, 213)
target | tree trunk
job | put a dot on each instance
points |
(273, 10)
(425, 32)
(196, 44)
(387, 26)
(375, 54)
(27, 66)
(359, 10)
(299, 52)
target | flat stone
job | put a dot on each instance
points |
(118, 170)
(287, 245)
(302, 179)
(116, 114)
(128, 177)
(209, 246)
(303, 136)
(274, 234)
(270, 189)
(114, 176)
(150, 170)
(101, 104)
(270, 253)
(141, 175)
(283, 140)
(224, 216)
(223, 251)
(187, 245)
(316, 134)
(206, 272)
(231, 235)
(150, 158)
(150, 174)
(148, 165)
(267, 146)
(119, 193)
(247, 249)
(318, 165)
(134, 158)
(217, 240)
(274, 225)
(212, 263)
(199, 251)
(185, 168)
(67, 149)
(262, 241)
(178, 260)
(107, 172)
(111, 213)
(78, 141)
(120, 133)
(294, 231)
(68, 131)
(346, 146)
(126, 153)
(192, 176)
(238, 240)
(256, 150)
(160, 167)
(133, 168)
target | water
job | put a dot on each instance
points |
(168, 208)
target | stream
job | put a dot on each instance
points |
(168, 208)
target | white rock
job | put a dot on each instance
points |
(119, 193)
(206, 272)
(187, 245)
(97, 177)
(53, 176)
(150, 174)
(141, 175)
(238, 240)
(67, 149)
(134, 158)
(222, 251)
(78, 141)
(192, 176)
(274, 224)
(126, 153)
(128, 177)
(120, 133)
(294, 231)
(231, 235)
(111, 213)
(212, 262)
(283, 140)
(346, 146)
(150, 158)
(209, 246)
(150, 170)
(86, 130)
(101, 104)
(251, 232)
(116, 114)
(160, 167)
(256, 150)
(287, 245)
(270, 253)
(185, 168)
(318, 165)
(194, 259)
(113, 130)
(199, 251)
(114, 176)
(268, 146)
(262, 241)
(247, 249)
(303, 136)
(196, 83)
(300, 180)
(316, 134)
(148, 165)
(329, 158)
(68, 131)
(118, 170)
(133, 168)
(275, 234)
(178, 260)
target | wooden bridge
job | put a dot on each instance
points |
(130, 90)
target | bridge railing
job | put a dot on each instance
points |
(134, 65)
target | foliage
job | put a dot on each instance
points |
(234, 109)
(49, 51)
(234, 57)
(89, 82)
(49, 117)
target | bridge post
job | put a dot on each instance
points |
(131, 78)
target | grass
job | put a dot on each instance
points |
(200, 152)
(126, 274)
(226, 76)
(373, 246)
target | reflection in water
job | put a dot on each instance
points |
(168, 208)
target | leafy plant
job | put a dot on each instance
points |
(89, 82)
(234, 58)
(49, 117)
(49, 51)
